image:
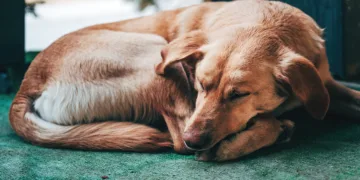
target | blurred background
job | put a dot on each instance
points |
(30, 26)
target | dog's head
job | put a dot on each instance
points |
(239, 74)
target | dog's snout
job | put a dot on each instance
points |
(196, 141)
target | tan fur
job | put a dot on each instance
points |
(101, 80)
(242, 57)
(264, 132)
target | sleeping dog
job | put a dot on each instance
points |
(228, 71)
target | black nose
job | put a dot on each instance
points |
(196, 141)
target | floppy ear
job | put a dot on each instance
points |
(306, 84)
(183, 48)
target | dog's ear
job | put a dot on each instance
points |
(183, 48)
(303, 78)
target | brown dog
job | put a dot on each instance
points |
(248, 60)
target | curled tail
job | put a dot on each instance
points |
(124, 136)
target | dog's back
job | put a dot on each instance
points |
(103, 67)
(87, 76)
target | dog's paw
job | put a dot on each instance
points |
(223, 151)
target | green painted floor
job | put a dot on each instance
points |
(329, 149)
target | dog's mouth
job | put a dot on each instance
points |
(213, 144)
(204, 147)
(199, 149)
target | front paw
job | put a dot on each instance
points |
(223, 151)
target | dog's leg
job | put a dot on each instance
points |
(264, 132)
(343, 100)
(176, 127)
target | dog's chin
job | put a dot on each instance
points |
(202, 149)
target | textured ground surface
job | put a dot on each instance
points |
(320, 150)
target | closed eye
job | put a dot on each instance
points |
(234, 95)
